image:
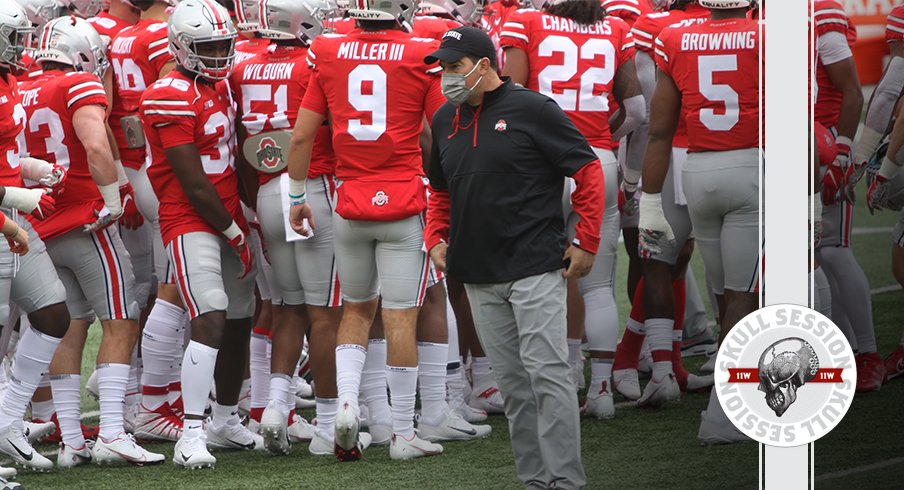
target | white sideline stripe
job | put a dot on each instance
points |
(859, 469)
(885, 289)
(875, 230)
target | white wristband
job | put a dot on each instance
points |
(297, 191)
(889, 169)
(120, 173)
(110, 193)
(232, 232)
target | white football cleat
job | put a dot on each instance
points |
(160, 424)
(451, 428)
(626, 382)
(254, 426)
(304, 403)
(192, 453)
(300, 430)
(713, 431)
(600, 405)
(91, 386)
(323, 445)
(645, 363)
(14, 444)
(346, 436)
(486, 396)
(123, 449)
(68, 457)
(7, 473)
(402, 448)
(35, 431)
(303, 389)
(233, 436)
(467, 412)
(698, 383)
(274, 426)
(709, 366)
(657, 393)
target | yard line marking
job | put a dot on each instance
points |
(885, 289)
(859, 469)
(872, 230)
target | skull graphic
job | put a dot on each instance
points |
(784, 367)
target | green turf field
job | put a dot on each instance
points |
(638, 449)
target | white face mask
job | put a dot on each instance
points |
(455, 85)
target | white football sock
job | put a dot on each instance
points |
(33, 355)
(326, 416)
(601, 323)
(635, 326)
(480, 367)
(161, 344)
(659, 336)
(280, 385)
(197, 377)
(853, 293)
(42, 411)
(373, 384)
(452, 322)
(432, 380)
(67, 398)
(574, 352)
(350, 364)
(111, 384)
(600, 371)
(224, 415)
(260, 370)
(402, 385)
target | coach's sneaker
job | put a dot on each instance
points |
(626, 382)
(91, 386)
(870, 372)
(452, 427)
(299, 429)
(14, 444)
(702, 343)
(7, 473)
(160, 424)
(274, 425)
(657, 393)
(192, 453)
(692, 383)
(123, 449)
(323, 445)
(710, 365)
(713, 431)
(402, 448)
(35, 431)
(894, 364)
(346, 436)
(68, 457)
(233, 435)
(600, 405)
(486, 396)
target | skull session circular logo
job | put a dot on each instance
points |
(785, 375)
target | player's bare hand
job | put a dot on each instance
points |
(579, 262)
(438, 256)
(297, 214)
(18, 242)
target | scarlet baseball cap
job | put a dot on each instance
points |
(461, 42)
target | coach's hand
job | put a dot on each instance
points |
(297, 214)
(438, 256)
(579, 262)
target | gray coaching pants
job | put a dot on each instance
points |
(521, 326)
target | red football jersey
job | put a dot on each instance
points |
(107, 26)
(34, 68)
(627, 10)
(50, 101)
(573, 64)
(138, 54)
(173, 114)
(894, 28)
(343, 26)
(716, 67)
(432, 27)
(377, 90)
(495, 15)
(269, 89)
(647, 29)
(12, 135)
(829, 16)
(249, 48)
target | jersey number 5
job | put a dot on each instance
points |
(720, 93)
(589, 98)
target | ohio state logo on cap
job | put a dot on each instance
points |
(785, 375)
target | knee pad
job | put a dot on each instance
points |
(216, 299)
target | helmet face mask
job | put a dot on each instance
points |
(202, 38)
(15, 35)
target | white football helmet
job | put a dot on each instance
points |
(662, 4)
(40, 12)
(726, 4)
(74, 42)
(15, 29)
(248, 15)
(292, 19)
(195, 22)
(401, 11)
(466, 12)
(83, 8)
(541, 4)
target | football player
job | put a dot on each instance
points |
(723, 154)
(534, 39)
(376, 89)
(66, 109)
(30, 280)
(188, 117)
(247, 15)
(139, 56)
(39, 13)
(269, 88)
(839, 104)
(629, 10)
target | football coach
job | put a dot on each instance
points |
(499, 161)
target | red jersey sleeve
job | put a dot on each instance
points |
(644, 32)
(829, 16)
(314, 98)
(84, 89)
(514, 31)
(158, 47)
(627, 10)
(626, 41)
(170, 115)
(894, 28)
(661, 53)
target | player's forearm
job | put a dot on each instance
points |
(207, 203)
(851, 108)
(656, 162)
(880, 110)
(300, 151)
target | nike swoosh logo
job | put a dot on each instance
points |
(250, 445)
(184, 457)
(470, 432)
(26, 457)
(191, 357)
